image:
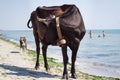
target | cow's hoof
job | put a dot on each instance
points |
(47, 69)
(36, 67)
(74, 76)
(65, 77)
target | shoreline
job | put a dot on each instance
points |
(77, 67)
(89, 68)
(97, 70)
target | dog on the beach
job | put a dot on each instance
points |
(23, 43)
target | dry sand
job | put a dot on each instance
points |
(15, 65)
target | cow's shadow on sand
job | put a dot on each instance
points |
(20, 71)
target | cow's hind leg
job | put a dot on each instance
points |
(65, 61)
(37, 49)
(44, 50)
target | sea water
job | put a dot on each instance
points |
(101, 55)
(96, 55)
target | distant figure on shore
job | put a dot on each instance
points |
(23, 43)
(103, 34)
(0, 35)
(99, 36)
(90, 34)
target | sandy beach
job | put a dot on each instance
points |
(15, 65)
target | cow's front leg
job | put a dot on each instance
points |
(65, 61)
(44, 50)
(74, 49)
(73, 73)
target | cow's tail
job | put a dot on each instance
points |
(29, 23)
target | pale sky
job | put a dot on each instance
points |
(97, 14)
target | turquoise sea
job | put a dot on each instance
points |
(99, 56)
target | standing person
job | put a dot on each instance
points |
(90, 34)
(103, 34)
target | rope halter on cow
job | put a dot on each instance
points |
(61, 40)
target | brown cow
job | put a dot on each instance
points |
(44, 30)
